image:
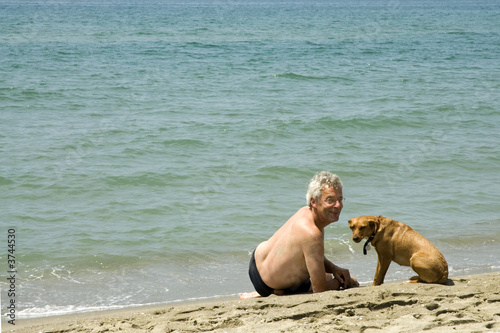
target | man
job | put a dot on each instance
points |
(293, 259)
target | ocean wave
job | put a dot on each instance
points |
(282, 172)
(294, 76)
(185, 143)
(368, 122)
(5, 181)
(54, 310)
(152, 179)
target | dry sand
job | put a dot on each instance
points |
(466, 304)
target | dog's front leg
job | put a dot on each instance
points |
(382, 267)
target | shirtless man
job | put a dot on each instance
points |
(293, 259)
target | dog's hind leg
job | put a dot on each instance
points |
(423, 265)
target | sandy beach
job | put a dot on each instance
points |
(465, 304)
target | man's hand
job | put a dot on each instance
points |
(343, 276)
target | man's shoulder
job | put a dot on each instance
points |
(306, 227)
(304, 213)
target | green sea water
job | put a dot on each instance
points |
(147, 147)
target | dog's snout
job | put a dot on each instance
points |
(355, 238)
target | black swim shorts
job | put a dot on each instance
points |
(264, 290)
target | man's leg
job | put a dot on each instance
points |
(331, 283)
(334, 284)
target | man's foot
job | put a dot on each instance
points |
(253, 294)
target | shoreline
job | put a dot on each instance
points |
(468, 303)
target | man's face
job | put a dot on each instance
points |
(331, 203)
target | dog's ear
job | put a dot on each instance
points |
(375, 224)
(381, 219)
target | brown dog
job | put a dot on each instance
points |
(396, 241)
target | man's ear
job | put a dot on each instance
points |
(313, 202)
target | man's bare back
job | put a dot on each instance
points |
(295, 253)
(280, 259)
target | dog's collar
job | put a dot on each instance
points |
(365, 250)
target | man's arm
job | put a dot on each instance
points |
(341, 274)
(314, 254)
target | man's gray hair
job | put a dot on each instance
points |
(318, 183)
